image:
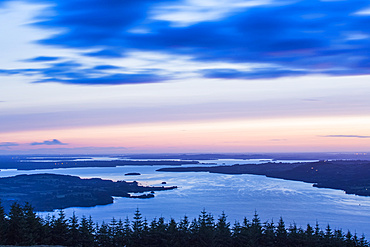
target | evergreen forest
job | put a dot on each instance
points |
(22, 226)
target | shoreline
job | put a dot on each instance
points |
(351, 176)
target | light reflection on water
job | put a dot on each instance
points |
(237, 195)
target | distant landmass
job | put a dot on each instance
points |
(25, 163)
(352, 176)
(34, 162)
(47, 192)
(247, 156)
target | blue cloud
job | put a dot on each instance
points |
(105, 54)
(98, 23)
(43, 59)
(49, 142)
(105, 67)
(299, 37)
(115, 79)
(254, 74)
(9, 72)
(71, 72)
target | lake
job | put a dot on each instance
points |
(237, 195)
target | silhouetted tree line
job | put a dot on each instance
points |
(21, 226)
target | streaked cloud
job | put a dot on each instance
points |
(8, 144)
(254, 74)
(189, 12)
(71, 72)
(294, 38)
(278, 140)
(114, 79)
(42, 59)
(49, 142)
(346, 136)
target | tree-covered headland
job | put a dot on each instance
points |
(22, 226)
(47, 192)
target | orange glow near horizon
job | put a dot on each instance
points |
(241, 135)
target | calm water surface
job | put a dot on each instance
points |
(237, 195)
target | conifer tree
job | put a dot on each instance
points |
(238, 234)
(355, 240)
(137, 224)
(86, 232)
(184, 232)
(338, 236)
(255, 230)
(222, 231)
(318, 231)
(194, 226)
(294, 238)
(15, 230)
(127, 231)
(137, 229)
(103, 235)
(119, 237)
(33, 226)
(328, 232)
(184, 224)
(269, 234)
(74, 237)
(349, 240)
(59, 229)
(47, 225)
(3, 225)
(281, 233)
(310, 238)
(113, 231)
(206, 233)
(172, 233)
(309, 230)
(363, 241)
(159, 232)
(145, 226)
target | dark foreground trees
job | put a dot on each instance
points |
(21, 226)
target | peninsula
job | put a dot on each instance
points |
(352, 176)
(46, 192)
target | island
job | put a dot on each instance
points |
(352, 176)
(132, 174)
(46, 192)
(143, 196)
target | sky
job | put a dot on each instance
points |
(184, 76)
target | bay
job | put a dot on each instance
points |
(238, 196)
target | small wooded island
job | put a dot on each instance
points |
(132, 174)
(47, 192)
(352, 176)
